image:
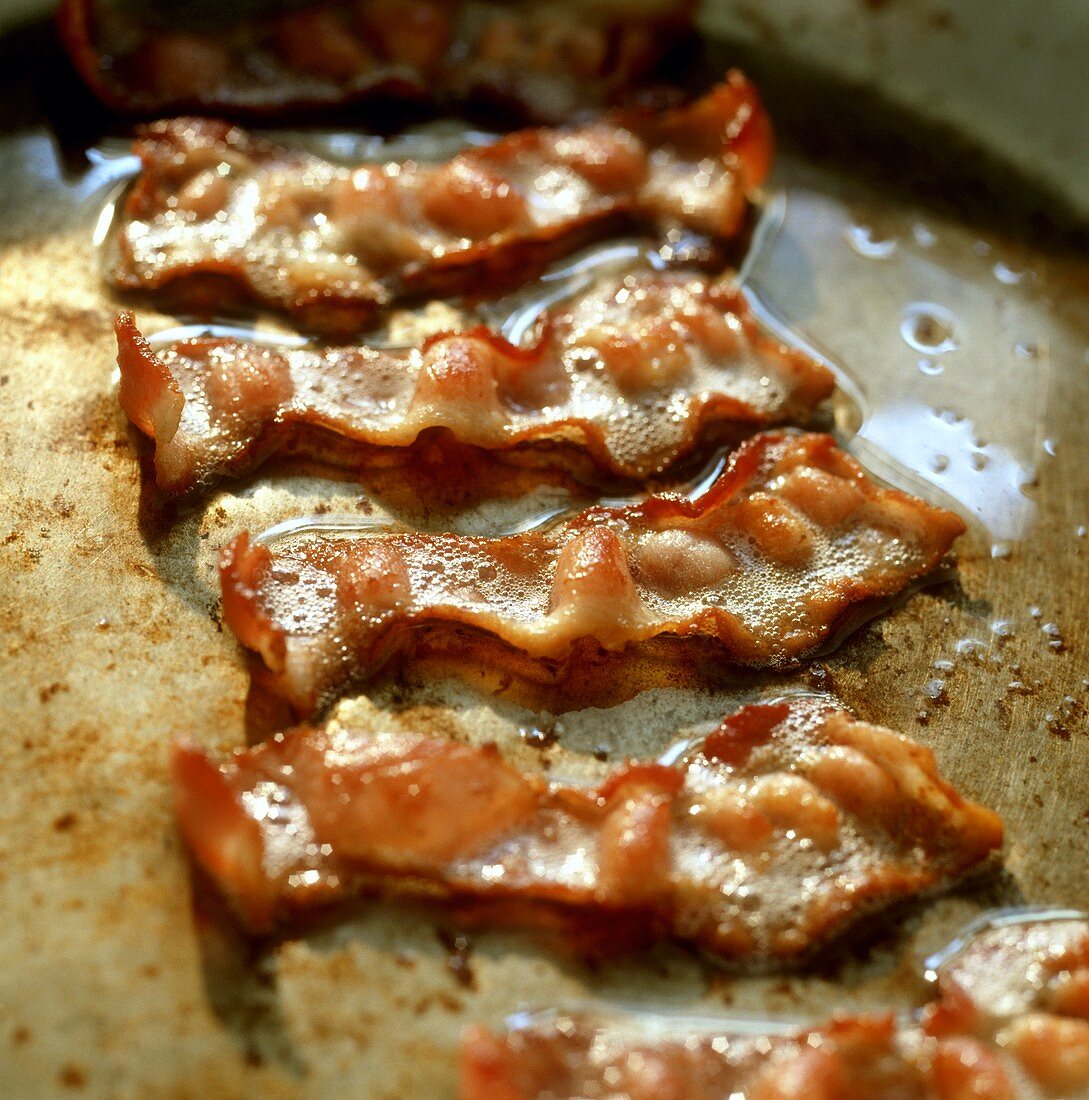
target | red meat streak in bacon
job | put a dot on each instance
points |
(820, 820)
(1009, 1021)
(636, 369)
(217, 213)
(541, 64)
(767, 562)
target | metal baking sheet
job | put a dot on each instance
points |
(965, 358)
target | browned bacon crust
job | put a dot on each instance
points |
(217, 212)
(788, 822)
(767, 561)
(543, 61)
(1018, 1031)
(635, 370)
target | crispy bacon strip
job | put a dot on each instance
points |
(767, 561)
(790, 821)
(544, 61)
(216, 208)
(1021, 1033)
(636, 370)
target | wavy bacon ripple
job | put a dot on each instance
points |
(767, 562)
(787, 823)
(217, 213)
(542, 61)
(635, 369)
(1009, 1021)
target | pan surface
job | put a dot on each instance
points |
(965, 360)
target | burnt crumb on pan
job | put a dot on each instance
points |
(542, 735)
(72, 1077)
(441, 999)
(458, 949)
(47, 693)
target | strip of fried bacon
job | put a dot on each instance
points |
(635, 369)
(767, 561)
(541, 61)
(787, 823)
(1010, 1021)
(217, 210)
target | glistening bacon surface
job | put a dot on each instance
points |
(217, 209)
(789, 822)
(544, 60)
(990, 1040)
(767, 562)
(632, 370)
